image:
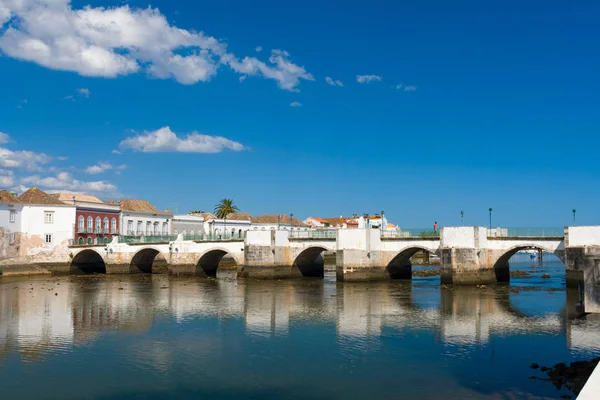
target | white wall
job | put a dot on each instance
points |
(145, 218)
(217, 226)
(34, 227)
(462, 237)
(5, 217)
(584, 235)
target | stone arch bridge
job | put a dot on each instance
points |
(467, 255)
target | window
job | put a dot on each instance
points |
(106, 225)
(81, 224)
(113, 225)
(139, 228)
(90, 224)
(13, 216)
(130, 227)
(90, 240)
(48, 237)
(98, 224)
(148, 228)
(156, 229)
(49, 217)
(165, 228)
(81, 240)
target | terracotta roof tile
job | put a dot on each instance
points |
(240, 216)
(141, 206)
(68, 198)
(283, 219)
(207, 216)
(37, 196)
(6, 197)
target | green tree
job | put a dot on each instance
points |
(224, 208)
(196, 212)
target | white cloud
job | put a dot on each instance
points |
(23, 160)
(286, 73)
(7, 179)
(115, 151)
(410, 88)
(258, 49)
(333, 83)
(243, 78)
(399, 86)
(98, 169)
(367, 78)
(164, 140)
(103, 167)
(295, 104)
(4, 138)
(84, 92)
(62, 158)
(115, 41)
(65, 181)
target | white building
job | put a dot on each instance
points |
(11, 210)
(188, 224)
(140, 218)
(47, 224)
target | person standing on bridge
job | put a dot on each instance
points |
(435, 226)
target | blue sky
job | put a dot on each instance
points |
(444, 106)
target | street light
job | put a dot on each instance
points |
(291, 221)
(278, 220)
(462, 217)
(382, 215)
(225, 227)
(490, 210)
(574, 211)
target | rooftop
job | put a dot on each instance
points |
(141, 206)
(6, 197)
(69, 197)
(37, 196)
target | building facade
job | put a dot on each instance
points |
(47, 224)
(11, 210)
(96, 221)
(140, 218)
(188, 224)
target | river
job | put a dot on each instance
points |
(155, 336)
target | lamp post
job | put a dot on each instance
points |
(574, 211)
(490, 210)
(291, 221)
(278, 220)
(225, 227)
(382, 220)
(462, 217)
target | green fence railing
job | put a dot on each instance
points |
(148, 239)
(215, 237)
(314, 234)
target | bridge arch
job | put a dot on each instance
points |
(400, 267)
(501, 264)
(309, 262)
(209, 261)
(143, 260)
(88, 262)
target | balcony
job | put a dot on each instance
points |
(81, 229)
(90, 230)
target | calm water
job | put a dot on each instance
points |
(154, 337)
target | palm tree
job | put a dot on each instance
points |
(224, 208)
(196, 212)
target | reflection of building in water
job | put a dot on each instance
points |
(35, 320)
(267, 308)
(471, 315)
